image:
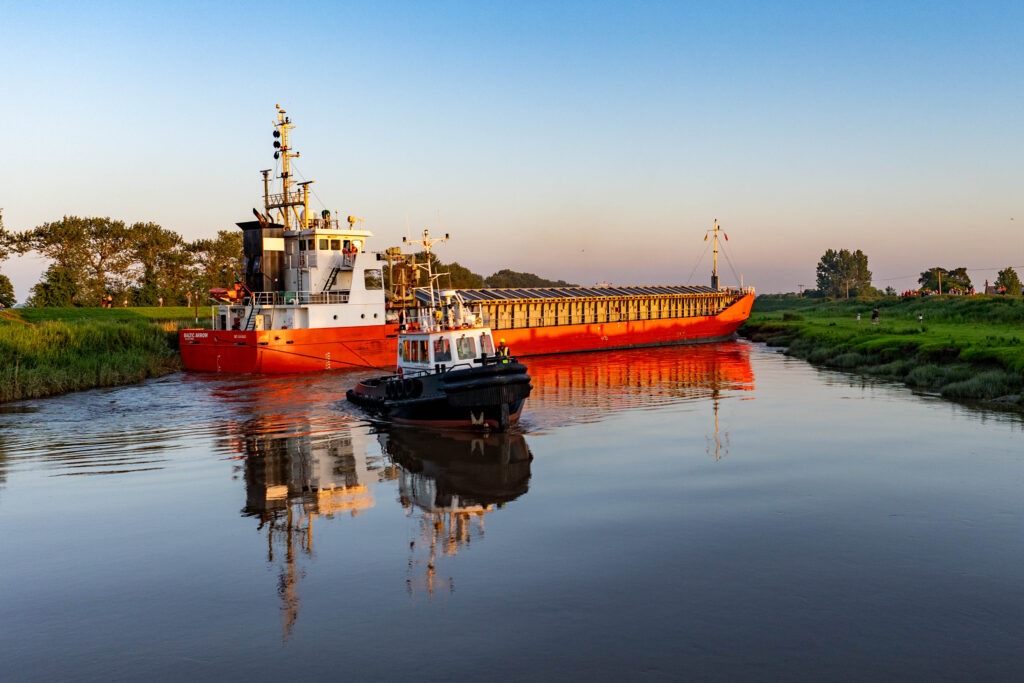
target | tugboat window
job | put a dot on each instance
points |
(442, 351)
(414, 351)
(302, 245)
(487, 343)
(335, 245)
(466, 348)
(323, 245)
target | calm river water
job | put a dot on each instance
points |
(718, 512)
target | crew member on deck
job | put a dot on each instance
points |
(502, 349)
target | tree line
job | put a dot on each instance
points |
(842, 274)
(143, 264)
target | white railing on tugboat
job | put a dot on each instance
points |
(437, 319)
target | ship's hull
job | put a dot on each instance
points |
(536, 341)
(339, 348)
(286, 351)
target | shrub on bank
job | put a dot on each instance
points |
(986, 385)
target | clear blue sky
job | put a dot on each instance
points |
(586, 141)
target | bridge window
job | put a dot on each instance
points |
(323, 244)
(373, 279)
(335, 245)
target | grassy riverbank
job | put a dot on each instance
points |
(51, 351)
(963, 348)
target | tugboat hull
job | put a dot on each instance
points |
(487, 397)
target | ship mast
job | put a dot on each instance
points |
(285, 202)
(714, 250)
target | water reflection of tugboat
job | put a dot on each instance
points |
(298, 471)
(450, 373)
(453, 480)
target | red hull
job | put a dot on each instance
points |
(284, 351)
(537, 341)
(340, 348)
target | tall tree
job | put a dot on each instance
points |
(942, 280)
(1008, 278)
(59, 287)
(506, 278)
(6, 239)
(95, 252)
(6, 291)
(6, 288)
(162, 264)
(461, 277)
(843, 273)
(217, 262)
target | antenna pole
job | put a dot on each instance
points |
(714, 244)
(266, 188)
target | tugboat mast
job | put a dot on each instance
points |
(427, 242)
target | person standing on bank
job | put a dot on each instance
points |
(874, 316)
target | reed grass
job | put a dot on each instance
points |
(56, 356)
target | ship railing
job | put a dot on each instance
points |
(298, 298)
(623, 312)
(737, 290)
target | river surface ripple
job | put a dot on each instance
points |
(715, 513)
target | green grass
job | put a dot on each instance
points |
(143, 313)
(965, 348)
(56, 356)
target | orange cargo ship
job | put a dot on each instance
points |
(313, 299)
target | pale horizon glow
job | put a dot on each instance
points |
(582, 141)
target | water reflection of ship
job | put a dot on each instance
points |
(568, 390)
(291, 480)
(620, 379)
(450, 481)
